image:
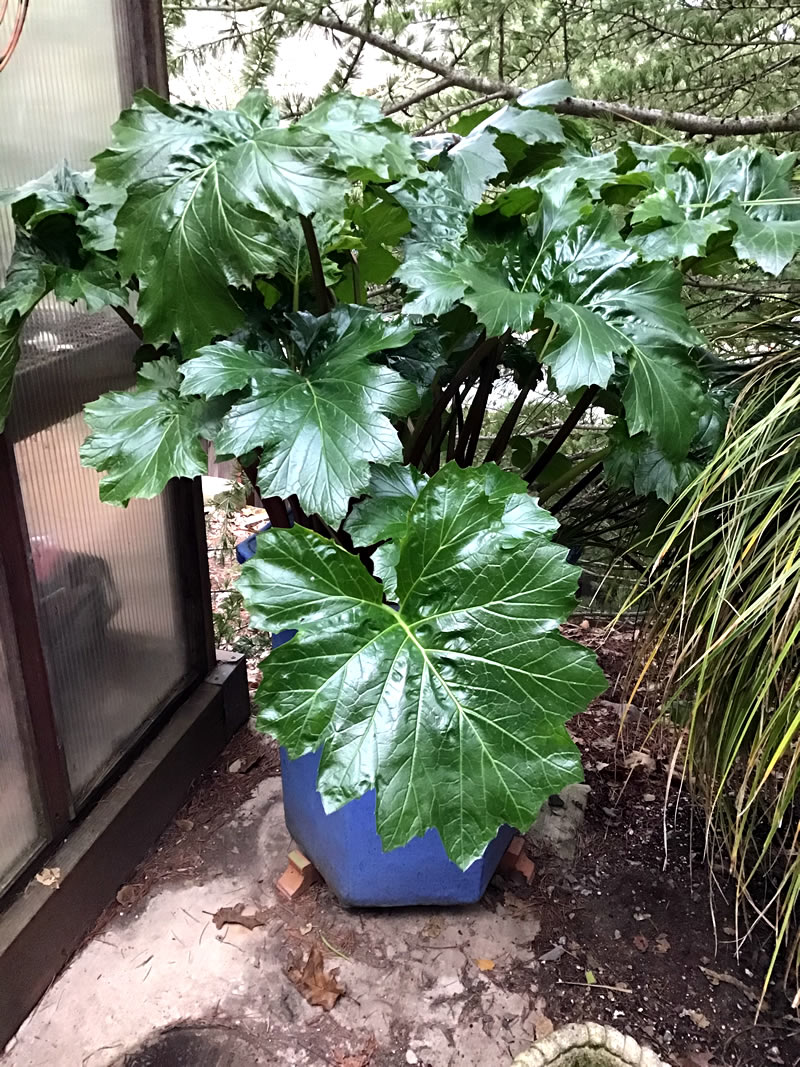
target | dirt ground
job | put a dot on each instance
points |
(620, 934)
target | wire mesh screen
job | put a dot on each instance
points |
(21, 828)
(110, 610)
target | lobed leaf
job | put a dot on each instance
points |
(469, 673)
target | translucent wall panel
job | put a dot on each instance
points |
(109, 599)
(20, 825)
(63, 87)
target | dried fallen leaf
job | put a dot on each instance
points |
(185, 824)
(432, 928)
(544, 1027)
(698, 1059)
(320, 989)
(662, 944)
(696, 1017)
(641, 942)
(554, 955)
(236, 915)
(362, 1058)
(485, 965)
(306, 929)
(715, 977)
(129, 894)
(49, 876)
(638, 758)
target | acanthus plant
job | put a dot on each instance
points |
(427, 591)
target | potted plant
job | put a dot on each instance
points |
(334, 302)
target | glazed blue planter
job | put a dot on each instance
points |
(345, 848)
(245, 550)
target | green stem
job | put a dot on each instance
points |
(324, 301)
(500, 443)
(420, 440)
(573, 473)
(567, 427)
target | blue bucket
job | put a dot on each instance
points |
(347, 851)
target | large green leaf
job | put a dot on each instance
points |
(549, 93)
(652, 294)
(436, 275)
(438, 211)
(453, 707)
(209, 195)
(144, 438)
(9, 355)
(28, 278)
(530, 126)
(497, 306)
(770, 243)
(472, 164)
(681, 240)
(663, 397)
(59, 192)
(638, 463)
(97, 284)
(363, 139)
(585, 356)
(319, 425)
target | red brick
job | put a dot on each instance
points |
(512, 853)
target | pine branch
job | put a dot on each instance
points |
(684, 121)
(423, 94)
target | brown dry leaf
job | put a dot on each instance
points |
(320, 989)
(696, 1017)
(637, 758)
(715, 977)
(129, 894)
(49, 876)
(698, 1059)
(544, 1027)
(185, 824)
(432, 928)
(641, 942)
(485, 965)
(236, 915)
(662, 944)
(362, 1058)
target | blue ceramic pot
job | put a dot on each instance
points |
(245, 550)
(347, 851)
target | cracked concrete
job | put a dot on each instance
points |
(411, 976)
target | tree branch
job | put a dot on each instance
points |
(684, 121)
(423, 94)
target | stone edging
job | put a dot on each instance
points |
(620, 1051)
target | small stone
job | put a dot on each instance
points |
(411, 1057)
